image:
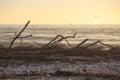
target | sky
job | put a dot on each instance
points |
(60, 11)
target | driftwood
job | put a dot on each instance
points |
(17, 36)
(92, 44)
(105, 44)
(65, 38)
(27, 36)
(99, 43)
(60, 38)
(22, 37)
(82, 43)
(54, 41)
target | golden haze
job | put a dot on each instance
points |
(60, 11)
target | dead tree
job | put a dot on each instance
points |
(54, 40)
(17, 36)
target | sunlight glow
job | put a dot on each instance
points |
(57, 11)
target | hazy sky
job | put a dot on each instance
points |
(60, 11)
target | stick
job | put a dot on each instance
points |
(65, 38)
(82, 43)
(92, 44)
(17, 36)
(105, 44)
(52, 42)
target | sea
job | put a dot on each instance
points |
(44, 33)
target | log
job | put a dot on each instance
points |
(17, 35)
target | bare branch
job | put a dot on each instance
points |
(17, 35)
(92, 44)
(52, 42)
(82, 43)
(30, 35)
(105, 44)
(21, 37)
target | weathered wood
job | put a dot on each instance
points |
(105, 44)
(52, 42)
(21, 37)
(99, 43)
(27, 36)
(82, 43)
(17, 35)
(65, 38)
(68, 43)
(92, 44)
